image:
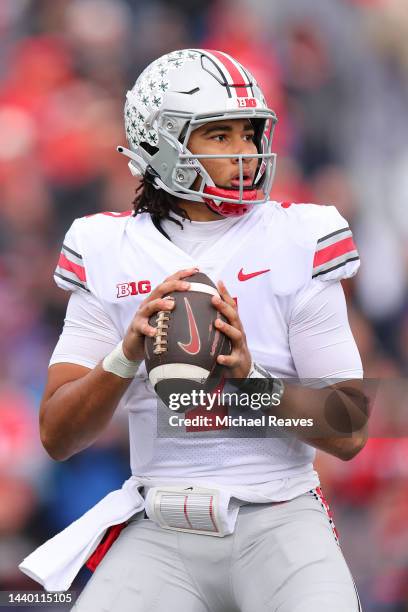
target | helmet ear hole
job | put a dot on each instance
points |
(149, 148)
(183, 133)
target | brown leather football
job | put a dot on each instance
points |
(186, 345)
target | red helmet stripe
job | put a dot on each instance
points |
(244, 77)
(240, 87)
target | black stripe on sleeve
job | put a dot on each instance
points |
(335, 267)
(345, 229)
(69, 280)
(64, 246)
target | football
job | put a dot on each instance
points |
(182, 356)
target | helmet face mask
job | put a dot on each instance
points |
(176, 95)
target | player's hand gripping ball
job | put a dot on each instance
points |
(182, 355)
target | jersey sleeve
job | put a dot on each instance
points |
(88, 335)
(320, 338)
(70, 273)
(321, 341)
(335, 256)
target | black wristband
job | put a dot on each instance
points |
(260, 381)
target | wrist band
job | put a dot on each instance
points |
(117, 363)
(260, 380)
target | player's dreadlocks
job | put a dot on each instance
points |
(157, 202)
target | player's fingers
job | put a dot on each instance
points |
(146, 329)
(149, 308)
(229, 361)
(167, 286)
(140, 327)
(227, 310)
(223, 291)
(233, 333)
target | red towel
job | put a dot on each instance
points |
(112, 533)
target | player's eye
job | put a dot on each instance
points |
(249, 137)
(220, 137)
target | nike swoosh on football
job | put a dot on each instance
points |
(194, 344)
(244, 277)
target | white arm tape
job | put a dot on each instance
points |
(117, 363)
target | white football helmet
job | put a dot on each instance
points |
(178, 93)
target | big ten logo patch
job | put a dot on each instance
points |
(246, 102)
(133, 288)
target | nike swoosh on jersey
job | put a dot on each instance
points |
(244, 277)
(194, 344)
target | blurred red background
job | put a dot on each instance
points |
(337, 77)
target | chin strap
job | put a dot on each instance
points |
(229, 209)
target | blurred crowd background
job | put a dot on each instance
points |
(336, 73)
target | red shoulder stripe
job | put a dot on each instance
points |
(65, 264)
(333, 251)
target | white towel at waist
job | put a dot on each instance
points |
(56, 562)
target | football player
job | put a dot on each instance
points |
(200, 136)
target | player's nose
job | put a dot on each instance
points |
(243, 147)
(246, 161)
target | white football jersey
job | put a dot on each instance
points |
(271, 260)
